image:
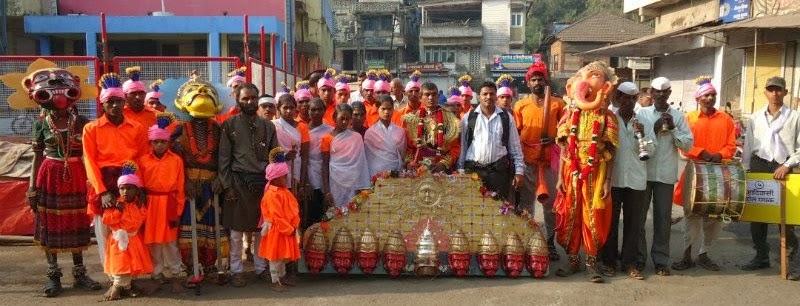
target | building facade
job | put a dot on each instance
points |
(371, 34)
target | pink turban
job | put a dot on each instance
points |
(454, 99)
(466, 90)
(157, 133)
(505, 91)
(382, 85)
(414, 83)
(705, 87)
(133, 86)
(111, 87)
(368, 84)
(302, 94)
(327, 79)
(129, 176)
(343, 82)
(276, 170)
(152, 95)
(236, 78)
(342, 86)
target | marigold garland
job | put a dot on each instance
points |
(204, 156)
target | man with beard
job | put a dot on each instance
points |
(714, 141)
(412, 91)
(244, 146)
(135, 91)
(425, 148)
(672, 133)
(538, 147)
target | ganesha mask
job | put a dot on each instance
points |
(591, 85)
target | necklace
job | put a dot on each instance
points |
(204, 137)
(64, 146)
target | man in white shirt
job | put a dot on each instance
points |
(628, 185)
(397, 93)
(672, 133)
(772, 145)
(491, 146)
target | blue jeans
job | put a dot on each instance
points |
(660, 195)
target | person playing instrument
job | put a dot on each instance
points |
(317, 128)
(491, 145)
(628, 184)
(281, 215)
(672, 133)
(538, 149)
(245, 142)
(772, 145)
(711, 147)
(432, 133)
(385, 142)
(163, 179)
(589, 135)
(126, 255)
(344, 164)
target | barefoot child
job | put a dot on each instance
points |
(126, 255)
(163, 179)
(344, 164)
(385, 142)
(281, 216)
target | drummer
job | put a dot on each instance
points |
(708, 147)
(771, 146)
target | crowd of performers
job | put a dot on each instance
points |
(579, 157)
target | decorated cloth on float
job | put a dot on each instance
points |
(441, 224)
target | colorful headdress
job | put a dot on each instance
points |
(283, 91)
(369, 83)
(342, 82)
(414, 83)
(129, 176)
(455, 95)
(504, 85)
(112, 87)
(383, 84)
(237, 75)
(155, 94)
(159, 130)
(277, 166)
(537, 67)
(302, 91)
(133, 84)
(327, 79)
(704, 86)
(465, 88)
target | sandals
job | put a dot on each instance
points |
(662, 271)
(571, 267)
(706, 263)
(591, 270)
(278, 287)
(635, 274)
(608, 270)
(683, 264)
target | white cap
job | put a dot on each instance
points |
(660, 83)
(266, 100)
(628, 88)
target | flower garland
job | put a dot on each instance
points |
(204, 156)
(439, 129)
(574, 155)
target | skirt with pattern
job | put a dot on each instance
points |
(62, 224)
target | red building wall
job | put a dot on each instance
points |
(177, 7)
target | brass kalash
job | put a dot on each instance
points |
(415, 223)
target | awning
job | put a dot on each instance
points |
(652, 45)
(762, 22)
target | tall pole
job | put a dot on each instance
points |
(246, 47)
(263, 57)
(104, 41)
(272, 47)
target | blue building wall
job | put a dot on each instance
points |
(212, 26)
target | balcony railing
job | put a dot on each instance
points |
(451, 29)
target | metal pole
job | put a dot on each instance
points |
(246, 47)
(104, 40)
(272, 47)
(263, 55)
(755, 76)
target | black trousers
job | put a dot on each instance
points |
(316, 208)
(633, 204)
(758, 230)
(495, 176)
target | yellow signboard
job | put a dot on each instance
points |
(764, 196)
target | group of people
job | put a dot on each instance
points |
(280, 162)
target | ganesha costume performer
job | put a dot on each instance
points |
(198, 144)
(57, 192)
(589, 132)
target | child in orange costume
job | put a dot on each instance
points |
(281, 218)
(163, 178)
(126, 254)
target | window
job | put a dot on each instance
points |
(516, 19)
(440, 54)
(554, 63)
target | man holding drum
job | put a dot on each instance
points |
(772, 145)
(714, 142)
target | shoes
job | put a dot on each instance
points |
(53, 286)
(662, 270)
(264, 276)
(757, 263)
(608, 270)
(278, 287)
(635, 274)
(793, 276)
(238, 280)
(706, 263)
(591, 270)
(683, 264)
(571, 267)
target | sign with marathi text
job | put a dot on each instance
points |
(514, 61)
(425, 67)
(734, 10)
(764, 196)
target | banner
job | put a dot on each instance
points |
(734, 10)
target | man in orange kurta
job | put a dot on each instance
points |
(126, 254)
(714, 141)
(414, 104)
(589, 134)
(538, 149)
(108, 142)
(163, 177)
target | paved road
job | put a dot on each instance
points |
(22, 269)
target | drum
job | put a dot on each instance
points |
(716, 191)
